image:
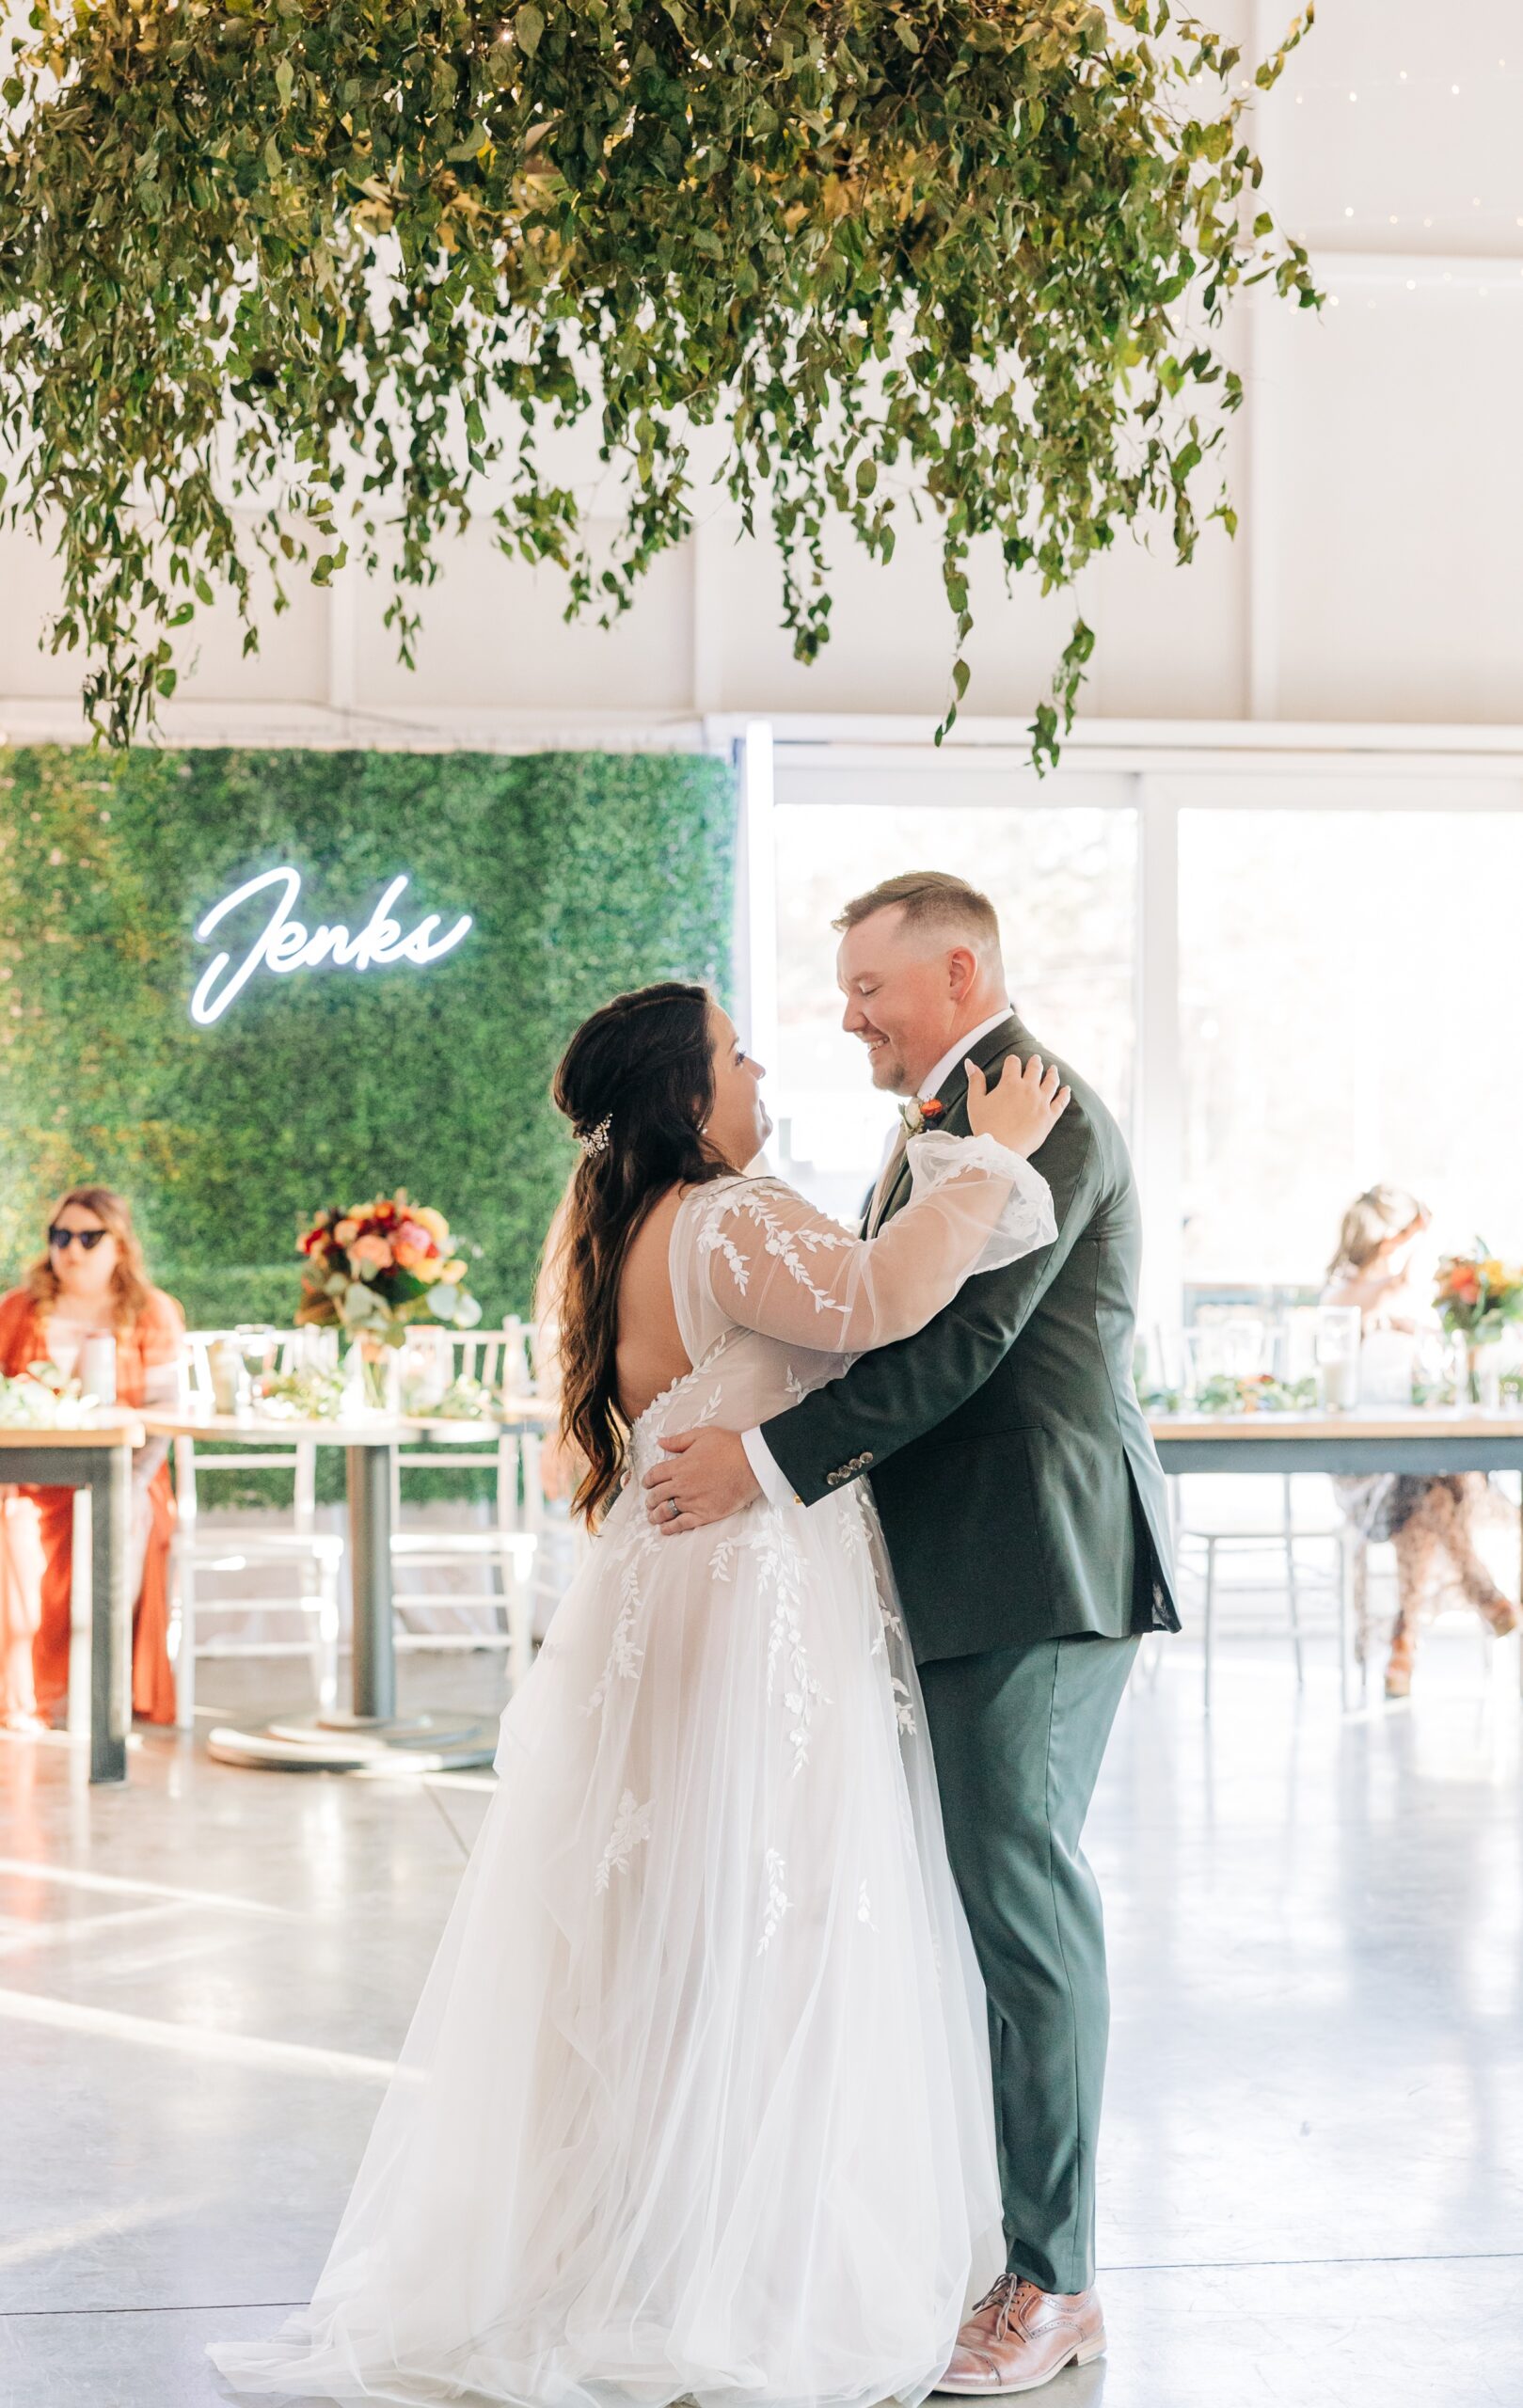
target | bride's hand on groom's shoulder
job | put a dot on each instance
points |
(1023, 1107)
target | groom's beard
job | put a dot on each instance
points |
(885, 1068)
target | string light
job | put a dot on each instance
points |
(1423, 86)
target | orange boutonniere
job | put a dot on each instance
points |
(930, 1112)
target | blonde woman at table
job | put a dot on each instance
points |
(696, 2102)
(1429, 1518)
(89, 1282)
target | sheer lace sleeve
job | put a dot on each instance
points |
(775, 1265)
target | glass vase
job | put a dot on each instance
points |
(379, 1375)
(1482, 1373)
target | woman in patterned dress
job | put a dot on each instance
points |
(1430, 1518)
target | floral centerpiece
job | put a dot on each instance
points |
(1478, 1296)
(374, 1268)
(466, 1399)
(40, 1398)
(301, 1396)
(1259, 1392)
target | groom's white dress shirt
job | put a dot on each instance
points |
(773, 1480)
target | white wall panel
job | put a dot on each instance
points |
(494, 638)
(292, 664)
(1395, 127)
(1399, 509)
(892, 640)
(1171, 641)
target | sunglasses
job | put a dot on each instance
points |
(88, 1240)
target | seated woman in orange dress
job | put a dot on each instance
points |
(90, 1282)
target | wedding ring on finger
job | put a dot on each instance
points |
(673, 1508)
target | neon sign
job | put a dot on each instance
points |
(284, 944)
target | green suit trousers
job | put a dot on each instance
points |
(1019, 1734)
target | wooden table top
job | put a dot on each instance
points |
(1373, 1421)
(359, 1430)
(102, 1430)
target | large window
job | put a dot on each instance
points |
(1063, 879)
(1351, 1009)
(1336, 1000)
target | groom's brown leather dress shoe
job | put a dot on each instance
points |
(1017, 2338)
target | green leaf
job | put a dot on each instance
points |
(527, 25)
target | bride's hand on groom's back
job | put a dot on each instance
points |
(1023, 1107)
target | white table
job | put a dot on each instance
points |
(371, 1736)
(1410, 1438)
(97, 1455)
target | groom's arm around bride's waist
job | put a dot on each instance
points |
(896, 1393)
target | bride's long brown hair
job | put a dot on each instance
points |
(637, 1085)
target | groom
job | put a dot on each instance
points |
(1025, 1513)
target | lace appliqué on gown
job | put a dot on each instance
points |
(631, 1829)
(695, 2102)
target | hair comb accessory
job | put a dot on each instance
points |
(594, 1141)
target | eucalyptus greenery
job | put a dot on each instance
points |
(345, 264)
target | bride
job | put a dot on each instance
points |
(696, 2098)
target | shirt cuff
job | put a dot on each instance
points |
(775, 1485)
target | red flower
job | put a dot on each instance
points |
(932, 1111)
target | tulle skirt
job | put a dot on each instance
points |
(696, 2101)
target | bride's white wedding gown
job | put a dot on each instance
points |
(696, 2098)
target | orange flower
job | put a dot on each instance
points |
(413, 1246)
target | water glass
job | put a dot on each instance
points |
(1339, 1333)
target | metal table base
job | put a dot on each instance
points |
(370, 1737)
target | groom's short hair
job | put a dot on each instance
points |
(933, 901)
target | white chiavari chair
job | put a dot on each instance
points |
(268, 1538)
(505, 1544)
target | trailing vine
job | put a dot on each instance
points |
(324, 278)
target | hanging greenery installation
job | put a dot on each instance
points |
(324, 279)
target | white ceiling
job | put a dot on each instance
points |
(1376, 466)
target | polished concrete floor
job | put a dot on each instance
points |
(1312, 2184)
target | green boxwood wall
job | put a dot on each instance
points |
(586, 873)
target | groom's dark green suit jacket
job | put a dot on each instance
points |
(1020, 1492)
